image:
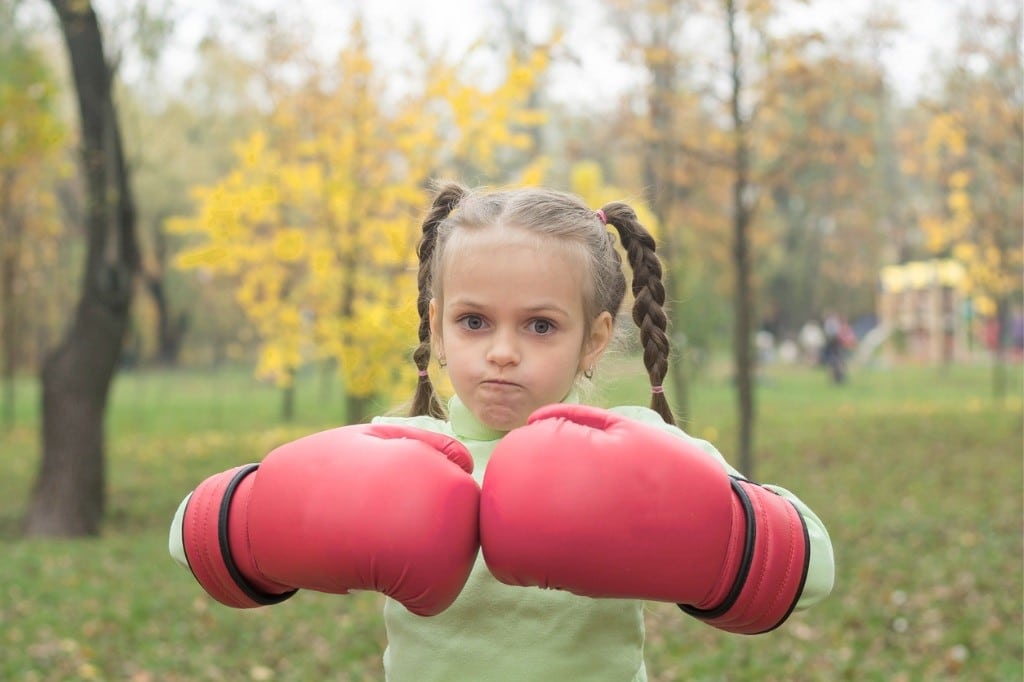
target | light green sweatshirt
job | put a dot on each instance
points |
(500, 633)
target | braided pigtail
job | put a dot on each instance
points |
(649, 299)
(426, 401)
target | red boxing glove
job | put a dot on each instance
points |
(584, 500)
(371, 507)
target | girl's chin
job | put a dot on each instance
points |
(500, 419)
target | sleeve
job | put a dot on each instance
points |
(175, 541)
(821, 566)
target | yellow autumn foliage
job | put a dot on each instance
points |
(316, 225)
(587, 180)
(978, 223)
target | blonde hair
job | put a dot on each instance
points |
(567, 219)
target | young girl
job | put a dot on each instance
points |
(460, 515)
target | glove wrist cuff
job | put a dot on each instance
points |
(205, 533)
(773, 568)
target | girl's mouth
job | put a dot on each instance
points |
(500, 383)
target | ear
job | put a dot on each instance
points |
(595, 344)
(435, 329)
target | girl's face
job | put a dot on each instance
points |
(511, 324)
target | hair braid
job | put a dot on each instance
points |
(426, 401)
(649, 298)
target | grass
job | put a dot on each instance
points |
(916, 472)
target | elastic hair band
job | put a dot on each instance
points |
(602, 216)
(657, 389)
(423, 373)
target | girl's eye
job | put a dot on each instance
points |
(542, 327)
(472, 322)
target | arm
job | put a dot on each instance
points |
(821, 568)
(588, 501)
(379, 507)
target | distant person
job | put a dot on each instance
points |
(839, 339)
(459, 515)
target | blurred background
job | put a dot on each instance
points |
(208, 221)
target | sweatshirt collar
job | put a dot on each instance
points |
(465, 425)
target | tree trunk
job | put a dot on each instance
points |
(9, 341)
(10, 252)
(744, 310)
(661, 194)
(170, 328)
(69, 494)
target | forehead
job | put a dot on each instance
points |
(512, 263)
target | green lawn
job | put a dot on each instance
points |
(916, 472)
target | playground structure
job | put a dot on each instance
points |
(924, 313)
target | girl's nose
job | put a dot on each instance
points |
(503, 350)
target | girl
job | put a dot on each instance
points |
(459, 515)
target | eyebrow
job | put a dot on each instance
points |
(533, 309)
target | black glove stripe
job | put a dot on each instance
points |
(257, 596)
(744, 571)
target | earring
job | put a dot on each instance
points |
(589, 372)
(441, 361)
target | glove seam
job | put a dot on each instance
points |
(767, 539)
(805, 536)
(209, 564)
(737, 620)
(786, 576)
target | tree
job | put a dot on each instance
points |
(69, 493)
(316, 224)
(697, 156)
(822, 161)
(31, 136)
(519, 38)
(651, 30)
(972, 154)
(749, 47)
(172, 146)
(184, 140)
(742, 212)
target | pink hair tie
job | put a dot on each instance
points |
(602, 216)
(423, 373)
(657, 389)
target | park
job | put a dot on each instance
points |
(212, 251)
(916, 472)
